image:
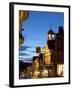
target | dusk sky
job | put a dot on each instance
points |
(35, 29)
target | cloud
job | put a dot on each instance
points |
(22, 54)
(30, 51)
(26, 60)
(22, 48)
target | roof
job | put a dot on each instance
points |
(50, 31)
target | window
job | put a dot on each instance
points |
(60, 69)
(49, 37)
(53, 36)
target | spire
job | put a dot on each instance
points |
(50, 29)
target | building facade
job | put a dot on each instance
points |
(23, 15)
(55, 43)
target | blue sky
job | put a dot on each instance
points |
(35, 29)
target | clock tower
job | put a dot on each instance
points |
(51, 39)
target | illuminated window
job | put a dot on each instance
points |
(60, 69)
(53, 37)
(45, 73)
(49, 37)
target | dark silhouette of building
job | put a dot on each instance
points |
(40, 56)
(56, 45)
(51, 39)
(38, 49)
